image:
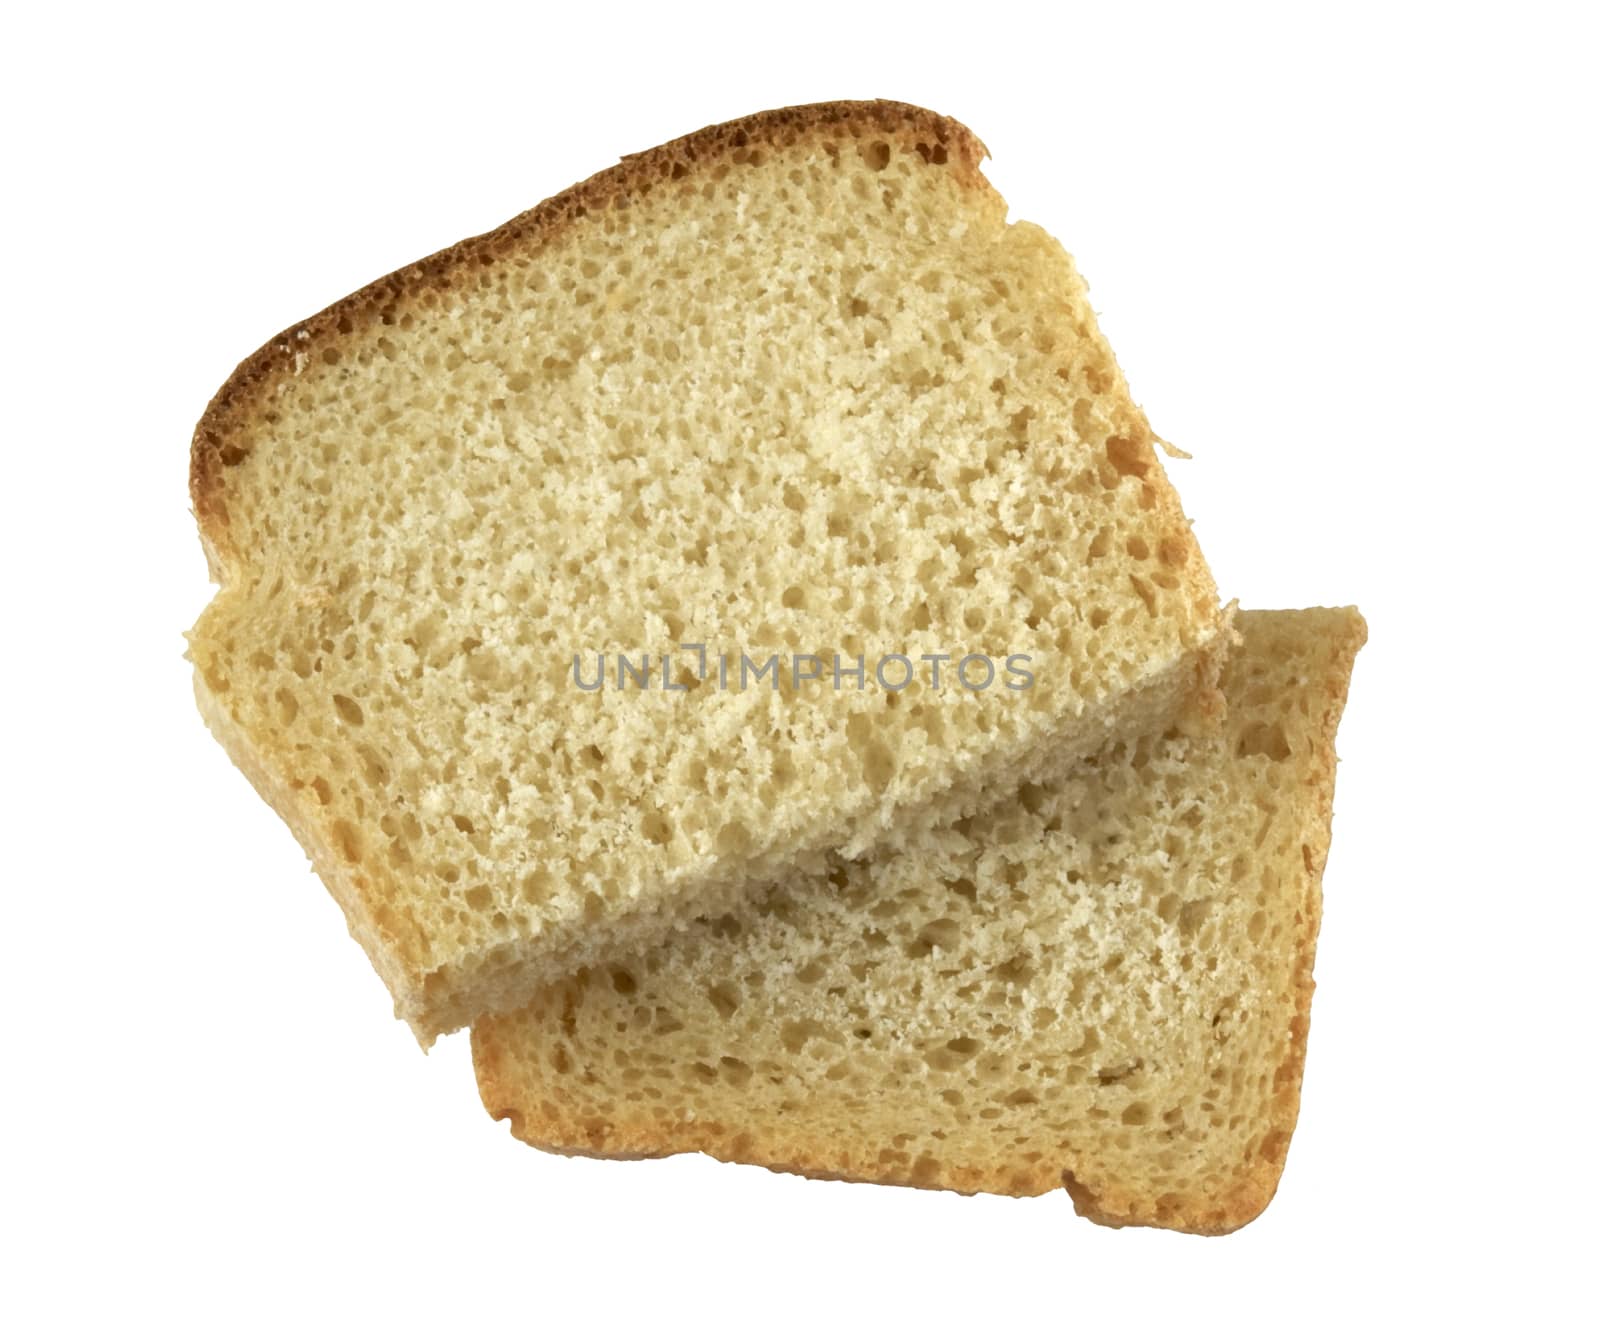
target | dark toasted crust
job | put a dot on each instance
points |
(549, 1125)
(222, 436)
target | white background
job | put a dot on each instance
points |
(1347, 258)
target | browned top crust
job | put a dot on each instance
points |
(221, 438)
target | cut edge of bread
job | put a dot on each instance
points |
(506, 1097)
(221, 439)
(385, 949)
(1186, 694)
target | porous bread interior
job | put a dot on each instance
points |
(803, 393)
(1105, 981)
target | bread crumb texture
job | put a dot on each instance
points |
(1104, 984)
(789, 385)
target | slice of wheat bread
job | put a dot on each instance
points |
(790, 386)
(1104, 984)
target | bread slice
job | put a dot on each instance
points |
(1105, 984)
(789, 386)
